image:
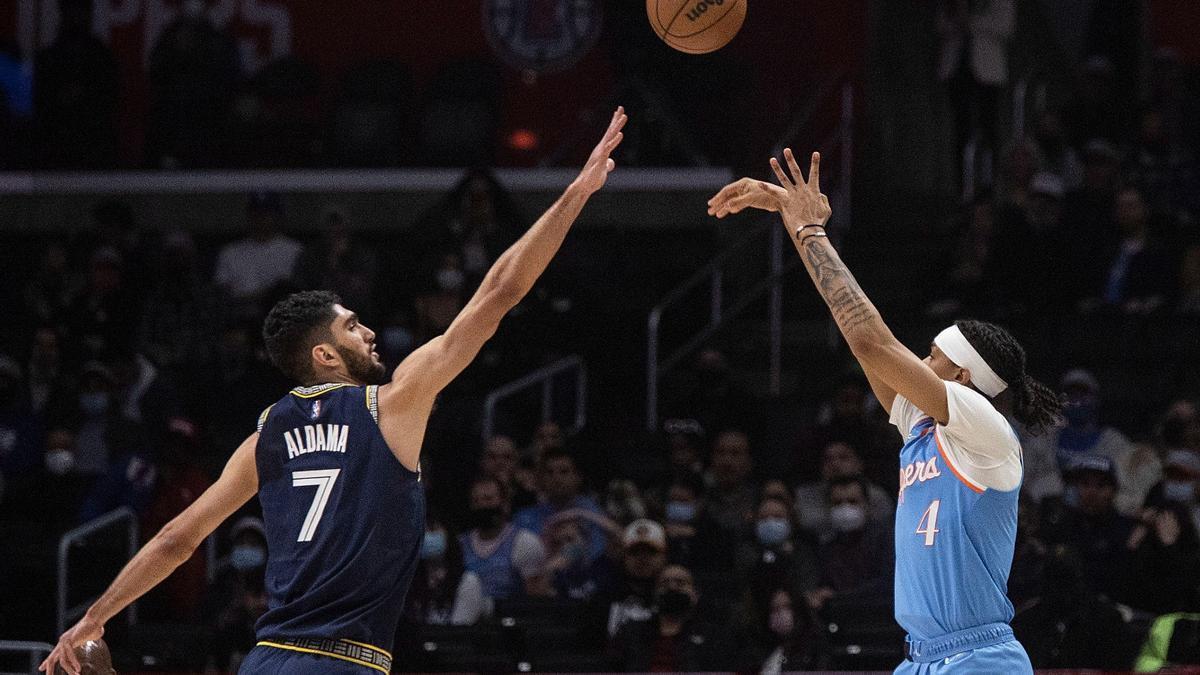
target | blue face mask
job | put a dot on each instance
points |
(434, 545)
(1080, 412)
(247, 557)
(1179, 490)
(94, 403)
(773, 531)
(681, 512)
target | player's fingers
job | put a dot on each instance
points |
(726, 192)
(610, 165)
(783, 179)
(814, 172)
(614, 142)
(793, 166)
(47, 664)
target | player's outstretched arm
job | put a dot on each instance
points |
(891, 367)
(430, 368)
(173, 545)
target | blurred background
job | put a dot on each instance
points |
(666, 459)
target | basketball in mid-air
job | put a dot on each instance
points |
(696, 26)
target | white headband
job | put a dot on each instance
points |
(955, 346)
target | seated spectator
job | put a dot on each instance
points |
(20, 430)
(572, 574)
(623, 501)
(732, 494)
(782, 636)
(685, 446)
(105, 310)
(48, 292)
(438, 306)
(1180, 485)
(247, 269)
(839, 460)
(856, 558)
(92, 414)
(500, 461)
(443, 592)
(560, 486)
(643, 557)
(674, 638)
(1047, 456)
(1068, 625)
(237, 597)
(179, 322)
(774, 557)
(46, 373)
(339, 262)
(850, 415)
(694, 539)
(1088, 520)
(1165, 554)
(1139, 275)
(508, 560)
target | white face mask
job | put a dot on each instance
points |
(449, 279)
(60, 462)
(1179, 490)
(847, 517)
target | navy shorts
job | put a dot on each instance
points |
(263, 660)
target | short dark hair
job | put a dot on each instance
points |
(296, 324)
(844, 481)
(551, 454)
(1034, 404)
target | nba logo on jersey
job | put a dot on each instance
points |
(316, 411)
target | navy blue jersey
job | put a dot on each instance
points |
(344, 518)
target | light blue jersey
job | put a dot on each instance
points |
(954, 536)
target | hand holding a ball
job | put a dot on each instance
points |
(799, 202)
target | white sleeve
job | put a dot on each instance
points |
(904, 415)
(469, 603)
(528, 555)
(978, 440)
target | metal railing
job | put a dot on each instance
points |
(713, 274)
(36, 650)
(545, 377)
(109, 520)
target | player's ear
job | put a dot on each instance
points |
(963, 377)
(325, 355)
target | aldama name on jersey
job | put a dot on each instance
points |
(316, 438)
(917, 471)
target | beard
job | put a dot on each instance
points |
(364, 368)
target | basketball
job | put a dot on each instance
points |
(696, 26)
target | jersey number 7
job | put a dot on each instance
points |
(323, 479)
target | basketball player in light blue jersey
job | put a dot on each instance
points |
(960, 467)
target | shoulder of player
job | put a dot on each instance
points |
(975, 402)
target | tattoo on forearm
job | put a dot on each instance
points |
(837, 286)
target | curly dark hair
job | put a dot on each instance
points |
(1034, 404)
(294, 325)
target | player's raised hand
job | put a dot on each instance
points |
(803, 203)
(599, 163)
(64, 652)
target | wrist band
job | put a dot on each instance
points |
(802, 228)
(811, 235)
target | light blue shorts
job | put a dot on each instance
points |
(1008, 657)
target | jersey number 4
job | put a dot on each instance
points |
(928, 523)
(323, 480)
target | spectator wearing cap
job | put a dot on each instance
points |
(643, 557)
(238, 597)
(1089, 521)
(508, 560)
(1180, 484)
(839, 460)
(249, 268)
(1047, 456)
(674, 638)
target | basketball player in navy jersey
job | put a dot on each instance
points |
(336, 466)
(956, 514)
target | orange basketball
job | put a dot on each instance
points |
(696, 26)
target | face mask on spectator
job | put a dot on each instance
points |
(434, 545)
(847, 517)
(782, 621)
(773, 531)
(1080, 412)
(1179, 490)
(247, 557)
(681, 512)
(93, 403)
(60, 462)
(449, 279)
(674, 603)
